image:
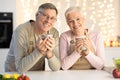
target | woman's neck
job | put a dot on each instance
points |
(77, 35)
(84, 33)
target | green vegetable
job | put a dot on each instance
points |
(117, 63)
(1, 76)
(8, 79)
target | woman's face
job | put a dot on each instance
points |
(76, 22)
(45, 19)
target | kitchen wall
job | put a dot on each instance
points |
(7, 6)
(119, 16)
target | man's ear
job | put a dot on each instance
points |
(36, 14)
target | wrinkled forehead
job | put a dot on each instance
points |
(48, 8)
(43, 10)
(48, 11)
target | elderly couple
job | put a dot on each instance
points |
(78, 48)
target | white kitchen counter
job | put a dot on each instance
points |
(70, 75)
(110, 52)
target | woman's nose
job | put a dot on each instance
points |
(75, 23)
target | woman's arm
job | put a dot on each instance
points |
(67, 60)
(97, 59)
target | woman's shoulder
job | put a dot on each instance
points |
(66, 33)
(95, 34)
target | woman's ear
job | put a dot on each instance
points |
(85, 31)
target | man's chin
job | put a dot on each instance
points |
(45, 30)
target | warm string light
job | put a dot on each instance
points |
(84, 8)
(68, 4)
(58, 23)
(99, 12)
(77, 2)
(103, 16)
(28, 8)
(35, 2)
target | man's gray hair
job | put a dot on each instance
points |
(48, 6)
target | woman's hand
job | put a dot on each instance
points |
(86, 43)
(83, 42)
(78, 45)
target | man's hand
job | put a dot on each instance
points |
(50, 45)
(41, 46)
(46, 46)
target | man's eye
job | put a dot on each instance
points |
(44, 15)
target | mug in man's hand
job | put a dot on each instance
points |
(45, 36)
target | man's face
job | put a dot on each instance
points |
(45, 19)
(75, 22)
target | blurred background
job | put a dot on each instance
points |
(101, 15)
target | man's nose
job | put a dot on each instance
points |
(48, 19)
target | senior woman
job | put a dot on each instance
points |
(80, 48)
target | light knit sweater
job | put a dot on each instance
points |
(20, 60)
(96, 59)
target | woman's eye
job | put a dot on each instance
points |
(78, 19)
(69, 21)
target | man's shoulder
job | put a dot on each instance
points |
(24, 27)
(54, 31)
